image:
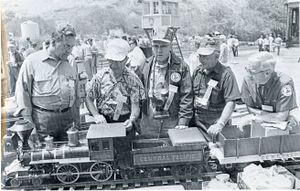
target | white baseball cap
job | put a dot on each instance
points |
(117, 49)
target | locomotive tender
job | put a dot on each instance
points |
(96, 157)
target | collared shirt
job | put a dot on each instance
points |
(158, 85)
(105, 88)
(225, 91)
(46, 83)
(278, 94)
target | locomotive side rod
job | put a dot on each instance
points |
(123, 184)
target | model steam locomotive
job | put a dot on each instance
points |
(93, 155)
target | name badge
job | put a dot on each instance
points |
(201, 103)
(173, 88)
(212, 83)
(267, 108)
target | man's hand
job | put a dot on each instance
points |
(128, 124)
(214, 129)
(99, 119)
(181, 127)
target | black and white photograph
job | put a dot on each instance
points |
(150, 94)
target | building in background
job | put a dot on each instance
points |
(293, 17)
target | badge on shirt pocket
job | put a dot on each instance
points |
(268, 108)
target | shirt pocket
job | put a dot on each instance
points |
(216, 96)
(43, 84)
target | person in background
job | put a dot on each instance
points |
(224, 50)
(271, 39)
(267, 43)
(35, 46)
(136, 57)
(269, 95)
(277, 42)
(15, 61)
(235, 46)
(88, 58)
(46, 90)
(260, 42)
(215, 91)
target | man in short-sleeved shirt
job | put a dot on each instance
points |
(117, 90)
(46, 91)
(269, 95)
(215, 91)
(105, 88)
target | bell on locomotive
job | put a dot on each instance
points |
(73, 136)
(21, 132)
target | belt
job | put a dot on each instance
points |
(55, 111)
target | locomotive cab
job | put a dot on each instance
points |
(100, 140)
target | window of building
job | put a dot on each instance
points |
(146, 8)
(155, 8)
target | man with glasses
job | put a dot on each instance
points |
(215, 91)
(168, 87)
(46, 90)
(269, 95)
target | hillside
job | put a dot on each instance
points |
(243, 17)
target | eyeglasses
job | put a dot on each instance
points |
(256, 73)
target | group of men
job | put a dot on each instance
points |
(268, 43)
(165, 95)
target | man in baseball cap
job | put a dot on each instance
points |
(168, 89)
(118, 92)
(115, 103)
(215, 90)
(269, 95)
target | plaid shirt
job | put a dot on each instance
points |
(105, 88)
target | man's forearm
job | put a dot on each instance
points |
(135, 111)
(268, 116)
(227, 111)
(91, 107)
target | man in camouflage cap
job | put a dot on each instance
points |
(46, 91)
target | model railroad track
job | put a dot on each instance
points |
(121, 184)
